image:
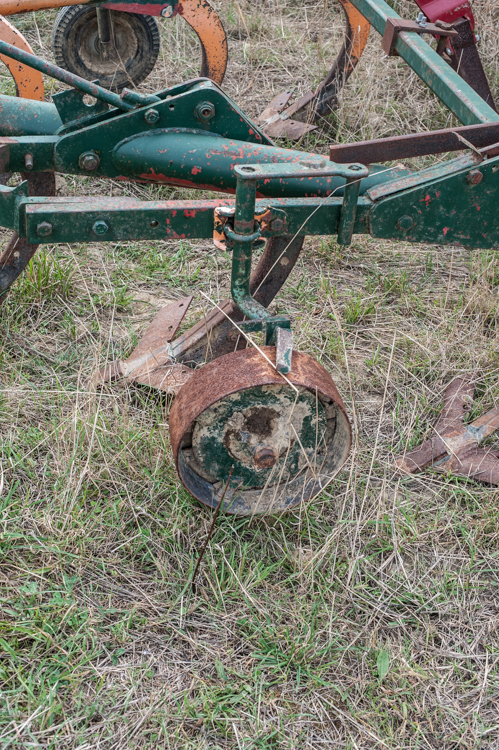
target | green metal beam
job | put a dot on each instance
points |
(119, 219)
(458, 96)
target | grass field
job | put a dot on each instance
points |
(367, 619)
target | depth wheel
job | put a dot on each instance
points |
(285, 443)
(132, 53)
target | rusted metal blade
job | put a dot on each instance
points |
(108, 374)
(454, 449)
(478, 463)
(458, 399)
(276, 105)
(162, 329)
(277, 125)
(153, 350)
(458, 395)
(168, 377)
(291, 129)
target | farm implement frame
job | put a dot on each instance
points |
(268, 419)
(117, 42)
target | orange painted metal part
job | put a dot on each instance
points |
(360, 32)
(29, 82)
(203, 19)
(12, 7)
(199, 14)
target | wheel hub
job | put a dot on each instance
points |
(268, 434)
(122, 49)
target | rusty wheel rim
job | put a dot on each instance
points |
(285, 443)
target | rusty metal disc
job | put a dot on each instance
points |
(283, 441)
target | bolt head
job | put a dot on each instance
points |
(89, 161)
(44, 229)
(405, 223)
(474, 176)
(205, 111)
(265, 456)
(151, 116)
(277, 225)
(100, 227)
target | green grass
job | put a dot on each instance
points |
(366, 619)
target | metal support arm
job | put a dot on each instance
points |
(448, 85)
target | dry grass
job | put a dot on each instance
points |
(367, 619)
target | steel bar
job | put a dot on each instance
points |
(92, 89)
(74, 220)
(415, 144)
(448, 85)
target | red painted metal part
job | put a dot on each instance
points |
(446, 10)
(151, 9)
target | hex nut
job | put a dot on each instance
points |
(405, 223)
(205, 111)
(100, 227)
(151, 116)
(474, 177)
(89, 161)
(44, 229)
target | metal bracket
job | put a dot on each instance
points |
(395, 25)
(271, 222)
(71, 106)
(278, 333)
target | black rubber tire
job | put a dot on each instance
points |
(75, 36)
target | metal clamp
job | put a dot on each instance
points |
(395, 25)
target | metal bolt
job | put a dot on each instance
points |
(100, 227)
(89, 161)
(474, 177)
(44, 229)
(205, 111)
(28, 161)
(265, 456)
(421, 20)
(151, 116)
(167, 11)
(355, 167)
(405, 223)
(277, 225)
